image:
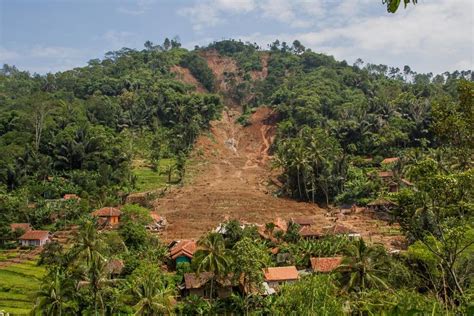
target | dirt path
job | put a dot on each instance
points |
(231, 167)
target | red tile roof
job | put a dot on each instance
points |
(107, 212)
(280, 273)
(183, 248)
(303, 221)
(35, 235)
(20, 226)
(327, 264)
(390, 160)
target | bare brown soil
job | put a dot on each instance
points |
(220, 66)
(185, 76)
(231, 172)
(260, 75)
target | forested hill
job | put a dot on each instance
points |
(77, 131)
(371, 145)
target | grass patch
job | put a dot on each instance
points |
(148, 179)
(18, 285)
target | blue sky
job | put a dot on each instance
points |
(54, 35)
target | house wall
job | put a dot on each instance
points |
(276, 284)
(114, 220)
(181, 259)
(224, 292)
(205, 292)
(198, 292)
(34, 243)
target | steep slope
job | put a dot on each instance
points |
(231, 171)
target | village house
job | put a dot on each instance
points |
(200, 284)
(108, 216)
(182, 251)
(388, 178)
(325, 264)
(20, 227)
(276, 276)
(34, 238)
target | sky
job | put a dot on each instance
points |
(55, 35)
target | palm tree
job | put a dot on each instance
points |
(54, 297)
(212, 257)
(364, 266)
(97, 278)
(88, 245)
(154, 297)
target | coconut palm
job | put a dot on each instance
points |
(97, 278)
(364, 267)
(154, 296)
(54, 297)
(88, 245)
(212, 257)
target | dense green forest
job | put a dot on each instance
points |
(78, 132)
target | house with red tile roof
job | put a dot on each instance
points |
(34, 238)
(326, 264)
(276, 276)
(183, 251)
(108, 215)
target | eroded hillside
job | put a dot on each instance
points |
(231, 168)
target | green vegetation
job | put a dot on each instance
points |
(148, 179)
(78, 131)
(19, 283)
(82, 131)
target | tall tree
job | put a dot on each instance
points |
(212, 257)
(366, 267)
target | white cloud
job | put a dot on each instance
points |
(202, 15)
(294, 13)
(236, 6)
(435, 36)
(139, 7)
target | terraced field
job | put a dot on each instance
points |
(18, 285)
